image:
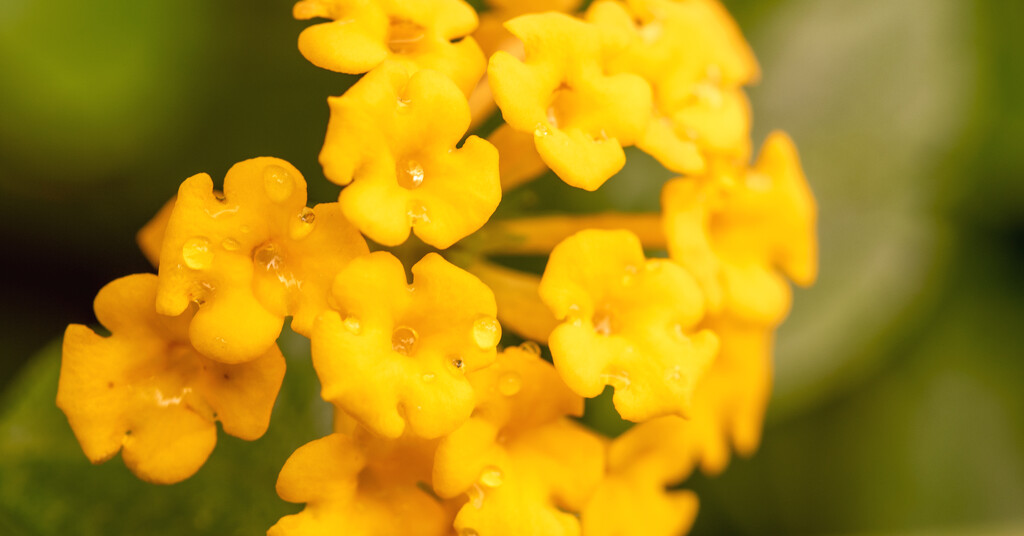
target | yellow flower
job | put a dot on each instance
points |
(521, 463)
(250, 258)
(393, 136)
(632, 499)
(396, 354)
(361, 485)
(146, 390)
(365, 33)
(695, 58)
(627, 322)
(741, 230)
(580, 117)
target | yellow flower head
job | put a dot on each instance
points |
(626, 322)
(521, 463)
(580, 117)
(360, 485)
(395, 354)
(694, 57)
(146, 390)
(739, 230)
(251, 257)
(393, 136)
(363, 34)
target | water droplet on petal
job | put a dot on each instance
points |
(302, 225)
(230, 244)
(197, 253)
(268, 256)
(352, 325)
(403, 340)
(410, 174)
(509, 384)
(418, 213)
(675, 374)
(491, 477)
(428, 377)
(541, 130)
(486, 332)
(278, 183)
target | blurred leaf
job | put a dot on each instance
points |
(937, 440)
(48, 487)
(872, 91)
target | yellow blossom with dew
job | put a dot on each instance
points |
(392, 139)
(580, 117)
(395, 354)
(425, 34)
(628, 322)
(519, 462)
(145, 391)
(361, 485)
(249, 257)
(700, 110)
(441, 425)
(743, 229)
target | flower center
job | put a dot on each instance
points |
(403, 340)
(404, 36)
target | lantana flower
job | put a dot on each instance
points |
(696, 61)
(628, 322)
(362, 485)
(741, 230)
(363, 34)
(395, 355)
(145, 390)
(521, 464)
(392, 140)
(249, 257)
(580, 117)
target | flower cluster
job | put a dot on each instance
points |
(449, 417)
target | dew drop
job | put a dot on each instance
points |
(486, 332)
(491, 477)
(604, 322)
(418, 213)
(403, 340)
(530, 347)
(541, 130)
(509, 384)
(410, 174)
(278, 183)
(230, 244)
(352, 325)
(302, 225)
(268, 257)
(428, 377)
(675, 374)
(197, 253)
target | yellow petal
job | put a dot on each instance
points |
(397, 354)
(250, 257)
(147, 390)
(393, 136)
(628, 322)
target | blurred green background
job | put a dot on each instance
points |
(899, 406)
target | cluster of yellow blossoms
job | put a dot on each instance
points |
(437, 429)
